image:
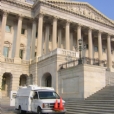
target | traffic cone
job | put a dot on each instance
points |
(56, 105)
(61, 107)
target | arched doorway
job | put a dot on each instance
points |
(23, 80)
(47, 80)
(6, 84)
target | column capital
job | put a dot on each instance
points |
(41, 14)
(5, 12)
(100, 32)
(79, 25)
(34, 20)
(20, 16)
(108, 35)
(68, 22)
(90, 29)
(55, 17)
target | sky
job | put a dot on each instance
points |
(104, 6)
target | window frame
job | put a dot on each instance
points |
(7, 51)
(95, 48)
(9, 27)
(22, 31)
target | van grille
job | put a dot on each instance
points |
(52, 105)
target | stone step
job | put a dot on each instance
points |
(91, 106)
(90, 111)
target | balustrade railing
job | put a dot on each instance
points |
(25, 62)
(9, 60)
(85, 60)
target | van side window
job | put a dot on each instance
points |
(35, 95)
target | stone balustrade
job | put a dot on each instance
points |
(59, 51)
(9, 60)
(25, 62)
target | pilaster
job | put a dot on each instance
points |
(47, 39)
(109, 58)
(4, 20)
(90, 42)
(54, 37)
(78, 34)
(19, 27)
(59, 37)
(71, 41)
(99, 46)
(67, 35)
(40, 32)
(33, 39)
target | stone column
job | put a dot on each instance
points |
(47, 39)
(99, 47)
(19, 27)
(71, 41)
(3, 27)
(67, 35)
(109, 59)
(40, 32)
(54, 37)
(59, 37)
(90, 44)
(78, 35)
(15, 81)
(33, 39)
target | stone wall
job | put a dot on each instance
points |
(81, 81)
(94, 79)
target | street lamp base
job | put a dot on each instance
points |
(79, 61)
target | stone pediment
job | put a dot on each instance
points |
(82, 9)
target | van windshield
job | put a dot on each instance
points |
(48, 95)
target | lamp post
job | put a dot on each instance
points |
(80, 49)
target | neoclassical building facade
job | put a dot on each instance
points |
(39, 44)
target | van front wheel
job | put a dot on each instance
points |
(39, 111)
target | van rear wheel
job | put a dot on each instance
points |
(21, 111)
(39, 111)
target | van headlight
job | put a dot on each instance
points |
(45, 105)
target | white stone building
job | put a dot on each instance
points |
(37, 46)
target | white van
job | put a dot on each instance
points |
(37, 99)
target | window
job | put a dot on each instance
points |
(22, 31)
(36, 34)
(6, 51)
(21, 53)
(96, 49)
(48, 95)
(104, 50)
(50, 37)
(8, 28)
(57, 38)
(35, 54)
(86, 46)
(35, 95)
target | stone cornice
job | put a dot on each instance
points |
(25, 5)
(53, 4)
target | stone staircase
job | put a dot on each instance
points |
(102, 102)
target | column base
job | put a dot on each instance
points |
(2, 59)
(17, 60)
